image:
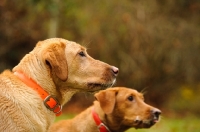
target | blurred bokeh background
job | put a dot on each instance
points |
(154, 43)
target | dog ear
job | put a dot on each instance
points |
(55, 57)
(106, 99)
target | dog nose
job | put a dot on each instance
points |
(156, 113)
(115, 70)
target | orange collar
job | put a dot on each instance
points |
(101, 126)
(49, 101)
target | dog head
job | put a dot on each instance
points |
(68, 66)
(126, 108)
(72, 67)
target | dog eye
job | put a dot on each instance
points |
(130, 98)
(82, 54)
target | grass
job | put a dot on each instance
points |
(184, 124)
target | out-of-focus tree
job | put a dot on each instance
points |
(155, 44)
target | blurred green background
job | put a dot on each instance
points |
(154, 43)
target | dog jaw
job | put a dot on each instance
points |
(145, 123)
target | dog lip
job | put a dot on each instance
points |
(93, 86)
(155, 120)
(145, 124)
(149, 124)
(96, 86)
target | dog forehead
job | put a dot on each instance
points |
(74, 45)
(49, 42)
(128, 91)
(60, 40)
(54, 40)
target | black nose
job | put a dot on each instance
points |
(115, 70)
(156, 113)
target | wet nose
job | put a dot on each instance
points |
(156, 113)
(115, 70)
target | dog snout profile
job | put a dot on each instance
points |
(115, 70)
(156, 113)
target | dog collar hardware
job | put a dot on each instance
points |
(52, 104)
(49, 101)
(101, 126)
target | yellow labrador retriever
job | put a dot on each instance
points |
(44, 80)
(116, 110)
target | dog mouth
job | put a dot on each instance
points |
(93, 87)
(98, 86)
(145, 123)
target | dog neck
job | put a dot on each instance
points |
(112, 122)
(101, 126)
(49, 101)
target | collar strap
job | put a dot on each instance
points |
(101, 126)
(49, 101)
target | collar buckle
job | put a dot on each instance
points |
(101, 126)
(52, 104)
(104, 126)
(49, 101)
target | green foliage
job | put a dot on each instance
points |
(183, 124)
(185, 100)
(188, 124)
(64, 117)
(155, 44)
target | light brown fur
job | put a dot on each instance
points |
(115, 110)
(61, 68)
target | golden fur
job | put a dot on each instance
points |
(116, 110)
(61, 68)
